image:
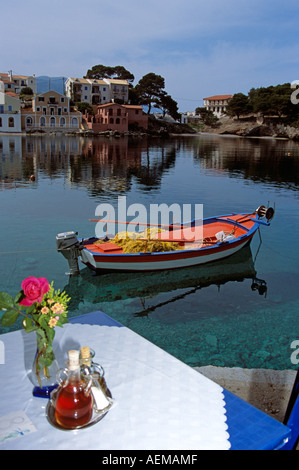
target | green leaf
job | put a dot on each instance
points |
(9, 317)
(29, 325)
(6, 300)
(19, 297)
(50, 334)
(30, 310)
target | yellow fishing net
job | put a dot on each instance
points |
(132, 242)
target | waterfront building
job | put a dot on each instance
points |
(51, 111)
(83, 90)
(96, 91)
(10, 112)
(217, 104)
(119, 89)
(116, 117)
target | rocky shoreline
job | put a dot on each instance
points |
(254, 126)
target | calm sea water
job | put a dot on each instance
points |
(204, 315)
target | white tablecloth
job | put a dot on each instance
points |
(160, 402)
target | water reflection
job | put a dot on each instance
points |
(177, 284)
(107, 166)
(101, 165)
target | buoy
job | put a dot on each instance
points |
(32, 177)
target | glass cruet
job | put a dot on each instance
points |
(100, 392)
(73, 402)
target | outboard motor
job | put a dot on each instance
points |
(67, 243)
(266, 212)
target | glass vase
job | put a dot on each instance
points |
(44, 368)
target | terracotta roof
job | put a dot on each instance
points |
(132, 106)
(14, 75)
(219, 97)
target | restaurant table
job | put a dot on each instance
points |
(160, 403)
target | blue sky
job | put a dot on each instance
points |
(200, 47)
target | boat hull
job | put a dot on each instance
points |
(174, 259)
(154, 262)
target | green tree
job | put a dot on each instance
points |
(261, 100)
(207, 116)
(239, 104)
(150, 89)
(273, 100)
(82, 107)
(281, 101)
(103, 71)
(168, 105)
(26, 91)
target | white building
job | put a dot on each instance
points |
(95, 91)
(217, 104)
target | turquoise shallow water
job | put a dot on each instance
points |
(204, 315)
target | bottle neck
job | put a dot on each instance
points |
(74, 374)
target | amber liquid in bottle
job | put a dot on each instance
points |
(73, 407)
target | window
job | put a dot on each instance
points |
(52, 121)
(0, 122)
(11, 122)
(42, 121)
(41, 98)
(62, 122)
(9, 107)
(29, 121)
(38, 108)
(1, 108)
(62, 100)
(74, 122)
(65, 110)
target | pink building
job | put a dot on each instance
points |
(116, 117)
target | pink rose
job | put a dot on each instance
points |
(34, 289)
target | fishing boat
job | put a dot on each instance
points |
(179, 246)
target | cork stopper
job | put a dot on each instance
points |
(85, 352)
(73, 360)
